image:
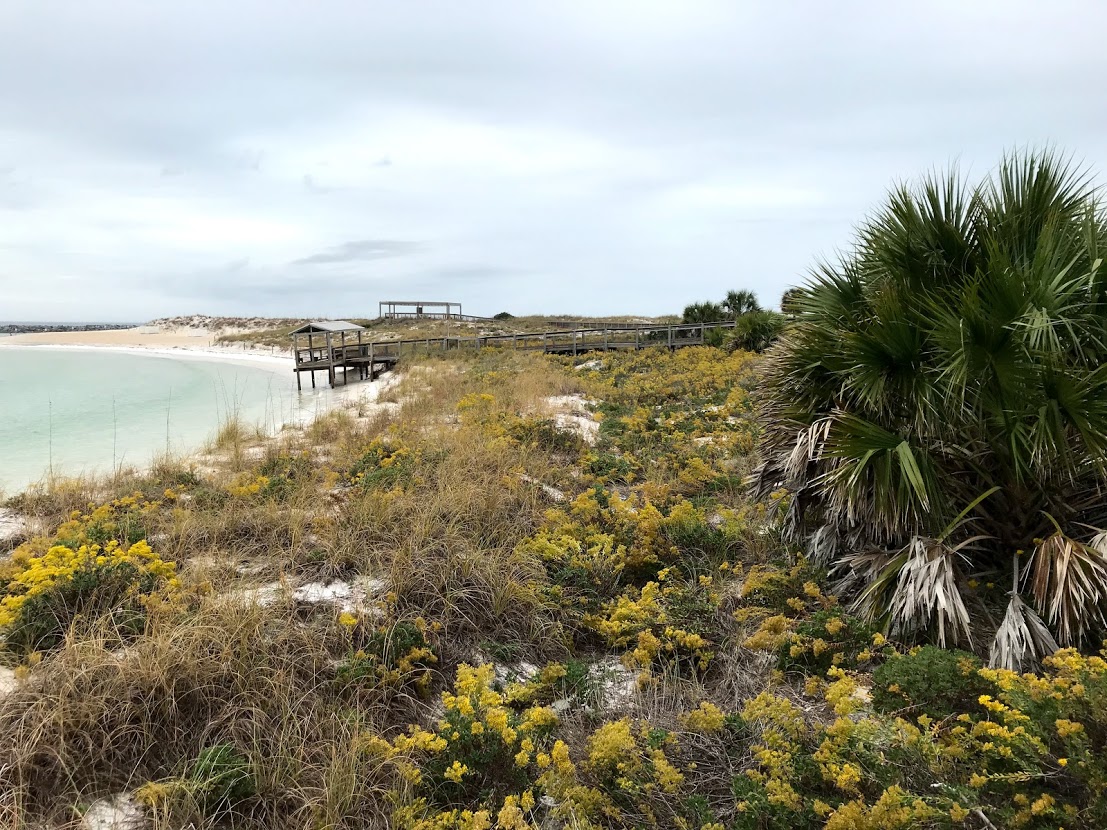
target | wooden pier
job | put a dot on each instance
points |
(333, 345)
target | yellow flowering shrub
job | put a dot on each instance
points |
(482, 753)
(651, 623)
(391, 657)
(707, 717)
(677, 417)
(89, 568)
(625, 770)
(246, 485)
(382, 463)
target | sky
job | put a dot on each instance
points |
(279, 158)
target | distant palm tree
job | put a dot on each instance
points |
(707, 312)
(742, 302)
(787, 300)
(939, 407)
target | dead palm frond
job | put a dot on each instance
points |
(822, 546)
(1022, 639)
(926, 593)
(1069, 583)
(872, 575)
(808, 447)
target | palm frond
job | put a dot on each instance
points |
(870, 576)
(926, 593)
(822, 546)
(1021, 640)
(1069, 582)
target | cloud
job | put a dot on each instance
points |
(360, 250)
(626, 156)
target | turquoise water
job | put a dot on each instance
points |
(74, 411)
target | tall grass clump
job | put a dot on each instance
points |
(938, 411)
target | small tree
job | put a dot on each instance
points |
(755, 331)
(939, 405)
(705, 313)
(737, 303)
(788, 301)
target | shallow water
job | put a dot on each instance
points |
(73, 411)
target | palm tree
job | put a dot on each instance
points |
(787, 299)
(741, 302)
(939, 406)
(707, 312)
(755, 331)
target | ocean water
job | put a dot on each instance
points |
(88, 410)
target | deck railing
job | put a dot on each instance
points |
(566, 341)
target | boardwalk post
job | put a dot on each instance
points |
(330, 360)
(637, 336)
(670, 335)
(342, 359)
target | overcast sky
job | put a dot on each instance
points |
(163, 157)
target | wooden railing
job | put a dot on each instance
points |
(436, 315)
(568, 341)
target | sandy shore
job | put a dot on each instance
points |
(153, 338)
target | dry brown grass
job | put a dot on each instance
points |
(94, 719)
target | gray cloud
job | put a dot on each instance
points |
(623, 156)
(360, 250)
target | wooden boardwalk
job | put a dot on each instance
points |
(370, 359)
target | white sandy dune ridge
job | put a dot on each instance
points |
(157, 340)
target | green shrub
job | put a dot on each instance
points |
(610, 466)
(98, 592)
(381, 466)
(391, 657)
(220, 778)
(756, 331)
(817, 640)
(931, 680)
(546, 435)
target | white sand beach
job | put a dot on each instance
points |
(149, 337)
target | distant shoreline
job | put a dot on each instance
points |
(270, 362)
(175, 341)
(13, 328)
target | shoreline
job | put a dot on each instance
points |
(314, 403)
(197, 343)
(271, 362)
